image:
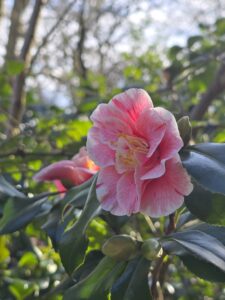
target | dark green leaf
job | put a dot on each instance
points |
(73, 193)
(216, 231)
(198, 244)
(206, 206)
(98, 283)
(92, 259)
(203, 269)
(55, 226)
(115, 222)
(133, 283)
(19, 212)
(206, 164)
(7, 189)
(73, 243)
(185, 218)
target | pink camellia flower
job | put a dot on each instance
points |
(136, 146)
(73, 172)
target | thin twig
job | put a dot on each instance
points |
(50, 32)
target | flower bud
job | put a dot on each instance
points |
(120, 247)
(150, 248)
(184, 127)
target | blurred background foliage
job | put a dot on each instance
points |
(59, 60)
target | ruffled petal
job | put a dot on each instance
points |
(171, 142)
(100, 153)
(64, 170)
(132, 103)
(127, 195)
(152, 128)
(164, 195)
(106, 191)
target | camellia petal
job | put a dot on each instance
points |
(137, 147)
(165, 194)
(99, 152)
(107, 190)
(126, 193)
(171, 142)
(151, 126)
(132, 103)
(73, 172)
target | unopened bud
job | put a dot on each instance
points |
(150, 249)
(120, 247)
(185, 130)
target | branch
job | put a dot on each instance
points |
(50, 32)
(214, 90)
(18, 100)
(15, 24)
(23, 153)
(80, 45)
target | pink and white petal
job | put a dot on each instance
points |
(62, 170)
(164, 195)
(171, 142)
(155, 171)
(152, 128)
(100, 153)
(140, 184)
(178, 176)
(60, 187)
(106, 190)
(160, 198)
(132, 102)
(152, 168)
(127, 194)
(82, 175)
(106, 114)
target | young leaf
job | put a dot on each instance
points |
(206, 164)
(185, 129)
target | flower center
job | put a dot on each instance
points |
(129, 152)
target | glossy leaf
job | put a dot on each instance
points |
(216, 231)
(19, 212)
(203, 269)
(133, 283)
(55, 226)
(198, 266)
(98, 283)
(7, 189)
(73, 243)
(206, 206)
(73, 193)
(206, 164)
(197, 244)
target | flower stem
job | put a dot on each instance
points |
(150, 223)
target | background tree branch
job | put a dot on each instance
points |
(214, 90)
(18, 98)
